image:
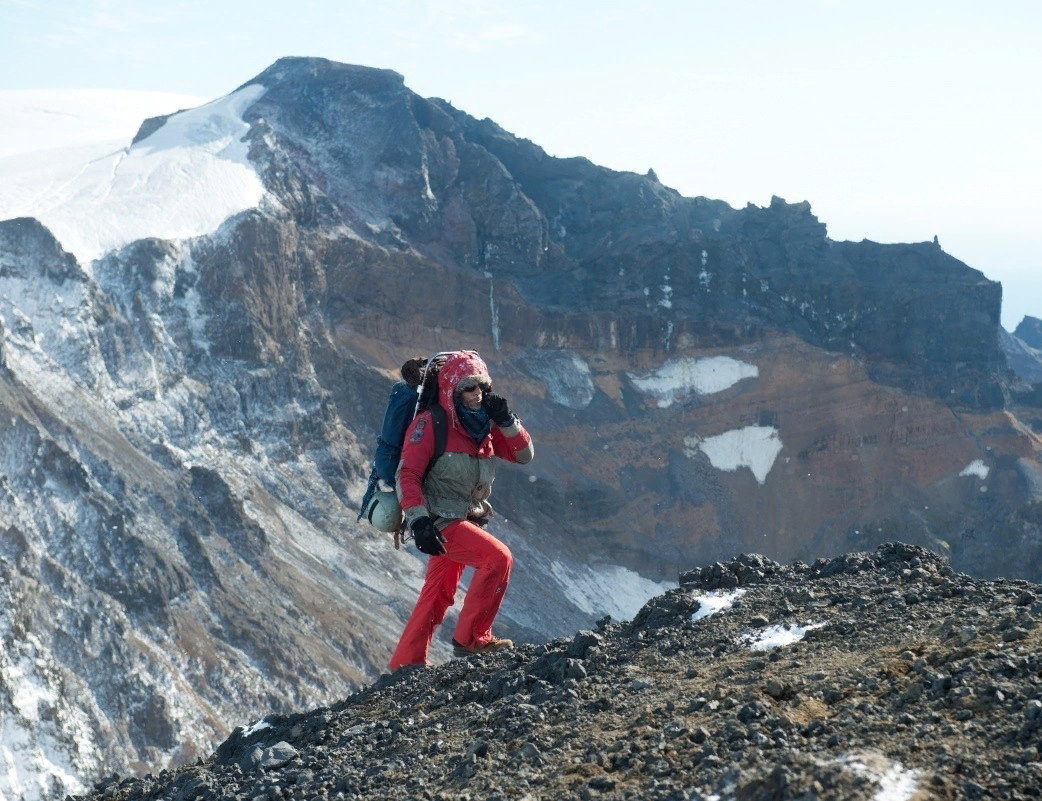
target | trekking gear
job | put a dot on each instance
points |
(417, 392)
(384, 513)
(427, 537)
(494, 644)
(498, 410)
(401, 406)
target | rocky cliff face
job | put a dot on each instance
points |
(1023, 359)
(1030, 331)
(187, 425)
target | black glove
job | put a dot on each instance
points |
(428, 538)
(498, 411)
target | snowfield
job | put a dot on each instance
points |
(755, 447)
(680, 378)
(975, 468)
(95, 192)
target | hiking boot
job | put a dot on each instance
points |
(495, 644)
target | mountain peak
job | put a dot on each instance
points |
(292, 68)
(1030, 330)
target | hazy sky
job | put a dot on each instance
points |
(898, 121)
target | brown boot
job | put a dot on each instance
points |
(495, 644)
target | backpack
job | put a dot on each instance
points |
(381, 508)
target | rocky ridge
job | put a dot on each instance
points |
(867, 676)
(1030, 331)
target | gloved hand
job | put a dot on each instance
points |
(498, 411)
(428, 538)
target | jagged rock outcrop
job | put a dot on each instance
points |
(1030, 332)
(1024, 360)
(871, 675)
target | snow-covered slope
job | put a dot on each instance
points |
(66, 159)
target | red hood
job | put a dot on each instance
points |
(458, 366)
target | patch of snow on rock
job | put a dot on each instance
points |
(715, 601)
(608, 590)
(755, 447)
(255, 727)
(680, 378)
(976, 468)
(895, 782)
(772, 637)
(39, 760)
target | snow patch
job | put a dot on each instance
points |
(976, 468)
(755, 447)
(253, 728)
(680, 378)
(715, 601)
(772, 637)
(610, 590)
(895, 782)
(494, 309)
(184, 180)
(35, 759)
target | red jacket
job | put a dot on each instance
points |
(460, 482)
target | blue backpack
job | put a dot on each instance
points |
(382, 509)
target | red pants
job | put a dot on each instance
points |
(466, 545)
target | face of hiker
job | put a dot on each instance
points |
(471, 397)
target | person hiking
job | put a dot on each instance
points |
(448, 510)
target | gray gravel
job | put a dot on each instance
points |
(911, 681)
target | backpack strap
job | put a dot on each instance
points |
(440, 421)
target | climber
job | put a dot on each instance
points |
(448, 510)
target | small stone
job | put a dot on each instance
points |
(530, 752)
(280, 754)
(479, 748)
(582, 643)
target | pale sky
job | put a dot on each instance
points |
(898, 121)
